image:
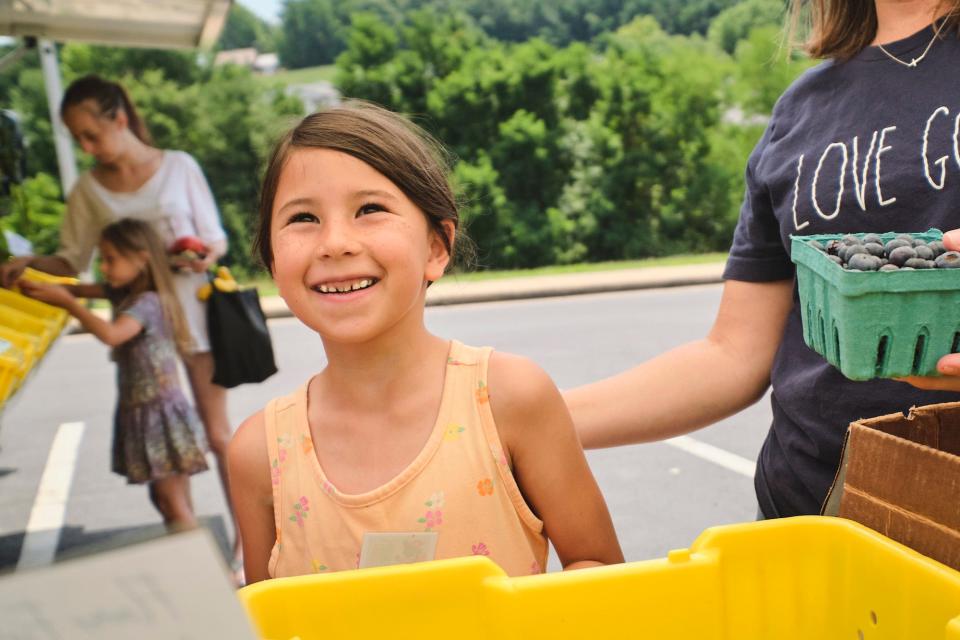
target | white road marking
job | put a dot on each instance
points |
(716, 455)
(46, 518)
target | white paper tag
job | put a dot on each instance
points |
(385, 549)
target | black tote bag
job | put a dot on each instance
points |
(239, 339)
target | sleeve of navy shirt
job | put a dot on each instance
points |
(758, 253)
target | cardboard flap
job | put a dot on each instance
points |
(936, 426)
(900, 475)
(915, 477)
(831, 505)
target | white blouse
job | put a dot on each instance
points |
(176, 200)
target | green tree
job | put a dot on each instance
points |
(314, 31)
(244, 28)
(764, 70)
(36, 212)
(735, 24)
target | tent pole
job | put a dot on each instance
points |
(66, 160)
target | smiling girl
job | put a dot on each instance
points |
(402, 431)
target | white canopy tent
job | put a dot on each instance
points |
(160, 24)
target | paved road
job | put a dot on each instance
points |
(661, 495)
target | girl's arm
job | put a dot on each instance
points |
(548, 462)
(113, 334)
(695, 384)
(251, 490)
(87, 290)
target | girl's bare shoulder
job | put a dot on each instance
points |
(522, 395)
(248, 446)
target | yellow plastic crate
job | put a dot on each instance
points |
(11, 369)
(27, 344)
(44, 331)
(807, 578)
(41, 310)
(41, 276)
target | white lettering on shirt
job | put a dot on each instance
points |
(796, 192)
(942, 161)
(876, 177)
(860, 181)
(816, 178)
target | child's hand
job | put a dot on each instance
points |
(54, 294)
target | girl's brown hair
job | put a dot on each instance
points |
(135, 237)
(110, 98)
(400, 150)
(842, 28)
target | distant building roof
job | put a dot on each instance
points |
(245, 57)
(267, 62)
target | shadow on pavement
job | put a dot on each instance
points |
(76, 542)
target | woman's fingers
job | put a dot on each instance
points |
(11, 271)
(949, 367)
(951, 240)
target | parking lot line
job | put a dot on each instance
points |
(713, 454)
(46, 518)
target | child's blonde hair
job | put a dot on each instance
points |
(131, 237)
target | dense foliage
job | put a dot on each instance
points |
(580, 130)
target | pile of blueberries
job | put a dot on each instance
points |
(902, 253)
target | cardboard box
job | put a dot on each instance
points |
(900, 476)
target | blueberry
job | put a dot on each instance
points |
(917, 263)
(816, 245)
(872, 238)
(889, 267)
(896, 243)
(925, 252)
(948, 260)
(874, 249)
(864, 262)
(851, 250)
(900, 255)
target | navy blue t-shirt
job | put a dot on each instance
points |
(862, 145)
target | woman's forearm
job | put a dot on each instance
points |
(677, 392)
(695, 384)
(54, 265)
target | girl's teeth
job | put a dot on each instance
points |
(362, 284)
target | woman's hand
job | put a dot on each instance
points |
(201, 265)
(949, 365)
(11, 270)
(54, 294)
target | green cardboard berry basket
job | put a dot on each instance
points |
(877, 324)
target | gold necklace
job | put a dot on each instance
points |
(915, 61)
